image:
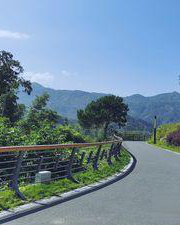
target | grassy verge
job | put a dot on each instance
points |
(166, 146)
(36, 192)
(162, 133)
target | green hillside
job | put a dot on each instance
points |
(65, 102)
(134, 124)
(142, 109)
(165, 106)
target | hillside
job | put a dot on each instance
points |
(65, 102)
(142, 109)
(134, 124)
(165, 106)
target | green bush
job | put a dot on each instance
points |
(50, 135)
(164, 130)
(44, 135)
(10, 135)
(68, 134)
(174, 138)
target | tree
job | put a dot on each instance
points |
(10, 81)
(102, 112)
(38, 114)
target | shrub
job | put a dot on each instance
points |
(47, 134)
(68, 134)
(174, 138)
(44, 135)
(164, 131)
(9, 135)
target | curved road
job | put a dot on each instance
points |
(150, 195)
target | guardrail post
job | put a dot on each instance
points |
(69, 169)
(89, 157)
(109, 155)
(95, 164)
(116, 152)
(102, 155)
(105, 154)
(39, 164)
(14, 183)
(119, 149)
(82, 159)
(57, 162)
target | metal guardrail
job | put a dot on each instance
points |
(134, 136)
(20, 164)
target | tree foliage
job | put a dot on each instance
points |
(102, 112)
(9, 135)
(38, 114)
(10, 81)
(46, 134)
(36, 125)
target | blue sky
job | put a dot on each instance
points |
(122, 47)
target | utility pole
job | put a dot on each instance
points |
(155, 129)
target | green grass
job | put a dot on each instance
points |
(166, 146)
(36, 192)
(162, 133)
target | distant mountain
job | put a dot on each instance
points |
(165, 106)
(65, 102)
(142, 109)
(134, 124)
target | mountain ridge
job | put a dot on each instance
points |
(165, 106)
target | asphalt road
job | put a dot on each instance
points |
(150, 195)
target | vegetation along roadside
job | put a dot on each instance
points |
(168, 137)
(35, 192)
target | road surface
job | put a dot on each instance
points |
(150, 195)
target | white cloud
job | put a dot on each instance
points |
(45, 79)
(13, 35)
(50, 80)
(68, 74)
